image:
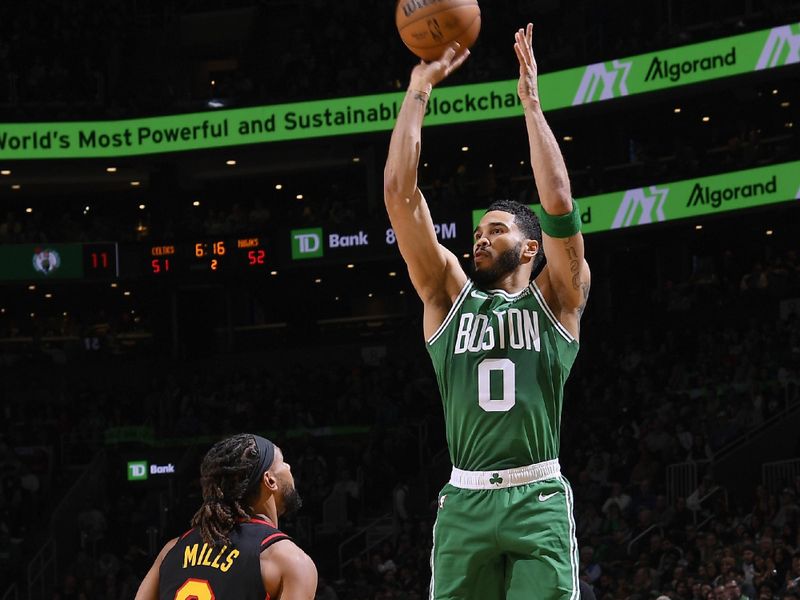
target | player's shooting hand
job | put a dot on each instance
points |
(427, 74)
(527, 88)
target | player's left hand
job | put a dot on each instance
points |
(527, 88)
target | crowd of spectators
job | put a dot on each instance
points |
(638, 400)
(716, 362)
(139, 58)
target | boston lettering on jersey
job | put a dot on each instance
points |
(515, 328)
(223, 559)
(501, 360)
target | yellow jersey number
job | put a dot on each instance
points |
(195, 589)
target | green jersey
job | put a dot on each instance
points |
(501, 361)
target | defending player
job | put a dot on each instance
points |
(235, 550)
(502, 347)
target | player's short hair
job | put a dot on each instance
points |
(524, 217)
(225, 482)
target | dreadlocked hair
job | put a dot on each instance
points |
(224, 479)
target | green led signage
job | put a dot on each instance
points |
(32, 262)
(736, 55)
(686, 199)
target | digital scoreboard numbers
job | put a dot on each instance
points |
(222, 256)
(210, 256)
(253, 251)
(100, 261)
(161, 260)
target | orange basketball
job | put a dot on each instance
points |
(428, 26)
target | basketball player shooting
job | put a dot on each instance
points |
(235, 550)
(502, 347)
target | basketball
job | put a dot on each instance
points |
(427, 27)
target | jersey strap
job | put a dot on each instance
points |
(556, 323)
(452, 312)
(272, 538)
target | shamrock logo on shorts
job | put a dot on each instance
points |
(496, 479)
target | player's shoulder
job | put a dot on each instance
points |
(167, 549)
(284, 566)
(289, 557)
(259, 531)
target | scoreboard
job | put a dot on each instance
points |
(215, 255)
(219, 257)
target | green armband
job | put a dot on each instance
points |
(562, 226)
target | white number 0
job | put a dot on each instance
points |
(485, 400)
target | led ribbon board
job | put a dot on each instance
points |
(726, 57)
(686, 199)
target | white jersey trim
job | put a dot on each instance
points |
(451, 313)
(431, 588)
(556, 323)
(573, 544)
(509, 296)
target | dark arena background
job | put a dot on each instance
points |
(194, 244)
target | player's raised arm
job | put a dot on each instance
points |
(434, 270)
(566, 278)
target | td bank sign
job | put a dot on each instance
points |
(307, 243)
(310, 243)
(140, 470)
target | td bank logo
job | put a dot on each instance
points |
(306, 243)
(781, 48)
(137, 470)
(599, 83)
(641, 206)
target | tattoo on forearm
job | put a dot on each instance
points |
(421, 97)
(575, 270)
(574, 266)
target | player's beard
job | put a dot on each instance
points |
(291, 500)
(506, 263)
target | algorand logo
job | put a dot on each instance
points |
(641, 206)
(715, 197)
(663, 69)
(781, 48)
(307, 243)
(599, 83)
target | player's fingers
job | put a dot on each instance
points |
(529, 33)
(518, 52)
(521, 55)
(451, 51)
(459, 59)
(522, 41)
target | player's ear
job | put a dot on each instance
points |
(270, 481)
(530, 248)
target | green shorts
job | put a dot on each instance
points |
(515, 542)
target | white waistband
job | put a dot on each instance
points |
(503, 478)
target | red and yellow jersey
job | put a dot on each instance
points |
(196, 570)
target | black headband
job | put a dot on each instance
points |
(266, 454)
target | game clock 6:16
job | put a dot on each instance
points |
(207, 256)
(240, 254)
